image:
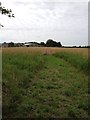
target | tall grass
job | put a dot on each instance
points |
(82, 63)
(18, 72)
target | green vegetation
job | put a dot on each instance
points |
(46, 86)
(76, 60)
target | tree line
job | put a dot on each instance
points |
(49, 43)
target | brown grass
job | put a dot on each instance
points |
(48, 50)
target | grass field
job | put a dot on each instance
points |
(45, 82)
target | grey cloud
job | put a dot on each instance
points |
(66, 22)
(21, 3)
(17, 29)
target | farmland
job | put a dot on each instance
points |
(45, 82)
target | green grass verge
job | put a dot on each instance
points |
(80, 62)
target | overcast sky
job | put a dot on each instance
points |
(38, 20)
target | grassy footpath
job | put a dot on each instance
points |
(36, 85)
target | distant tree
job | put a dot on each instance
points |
(59, 44)
(11, 44)
(5, 11)
(51, 43)
(42, 44)
(74, 46)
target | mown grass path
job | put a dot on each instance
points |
(51, 87)
(61, 90)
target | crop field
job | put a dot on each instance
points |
(45, 82)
